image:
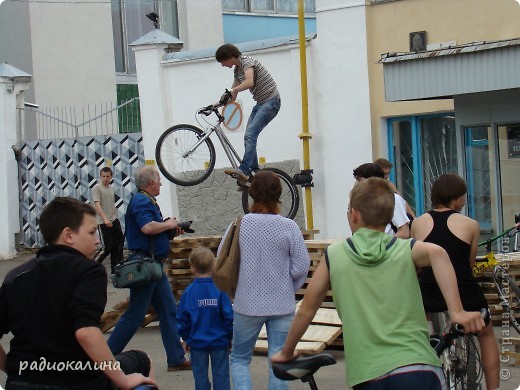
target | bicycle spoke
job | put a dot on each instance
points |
(178, 158)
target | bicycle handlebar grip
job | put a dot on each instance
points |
(206, 110)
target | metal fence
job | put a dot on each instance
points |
(73, 122)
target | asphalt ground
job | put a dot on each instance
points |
(149, 340)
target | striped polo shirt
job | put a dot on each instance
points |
(265, 87)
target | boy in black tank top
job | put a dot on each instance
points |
(458, 235)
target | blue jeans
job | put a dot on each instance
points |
(219, 368)
(160, 295)
(260, 117)
(416, 376)
(245, 334)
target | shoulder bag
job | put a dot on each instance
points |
(225, 272)
(139, 269)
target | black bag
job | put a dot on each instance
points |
(138, 270)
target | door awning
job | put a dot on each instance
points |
(444, 73)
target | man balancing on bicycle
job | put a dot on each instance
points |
(377, 296)
(458, 235)
(250, 74)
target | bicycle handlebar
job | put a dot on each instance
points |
(212, 108)
(493, 239)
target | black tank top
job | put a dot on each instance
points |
(458, 250)
(470, 293)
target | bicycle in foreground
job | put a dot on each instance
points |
(186, 156)
(507, 289)
(458, 353)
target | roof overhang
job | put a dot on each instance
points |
(440, 74)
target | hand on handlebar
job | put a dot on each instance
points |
(472, 321)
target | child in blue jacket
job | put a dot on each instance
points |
(205, 322)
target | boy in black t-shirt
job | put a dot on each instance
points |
(53, 303)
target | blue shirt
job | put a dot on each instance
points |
(205, 316)
(141, 210)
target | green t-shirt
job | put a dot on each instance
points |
(377, 295)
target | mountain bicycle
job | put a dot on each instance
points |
(458, 353)
(186, 156)
(303, 368)
(507, 289)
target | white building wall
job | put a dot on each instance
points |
(338, 107)
(11, 97)
(72, 42)
(200, 23)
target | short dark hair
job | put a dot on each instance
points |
(227, 51)
(383, 163)
(60, 213)
(369, 170)
(106, 170)
(266, 190)
(374, 200)
(202, 260)
(446, 188)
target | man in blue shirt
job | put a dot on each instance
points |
(147, 232)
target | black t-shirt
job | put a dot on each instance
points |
(42, 303)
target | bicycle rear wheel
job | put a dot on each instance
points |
(178, 159)
(509, 295)
(290, 198)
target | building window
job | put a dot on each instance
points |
(129, 23)
(421, 148)
(268, 6)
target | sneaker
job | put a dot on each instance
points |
(186, 365)
(237, 174)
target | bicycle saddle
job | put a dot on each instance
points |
(302, 367)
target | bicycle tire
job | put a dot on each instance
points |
(468, 366)
(289, 200)
(175, 165)
(510, 298)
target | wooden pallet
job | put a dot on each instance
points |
(510, 347)
(177, 269)
(323, 331)
(486, 282)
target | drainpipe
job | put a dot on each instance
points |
(305, 176)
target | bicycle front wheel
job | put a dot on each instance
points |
(509, 295)
(180, 159)
(289, 200)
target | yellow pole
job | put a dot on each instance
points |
(305, 136)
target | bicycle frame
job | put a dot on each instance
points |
(230, 151)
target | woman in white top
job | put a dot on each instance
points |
(273, 266)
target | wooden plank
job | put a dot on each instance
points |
(323, 333)
(303, 347)
(327, 316)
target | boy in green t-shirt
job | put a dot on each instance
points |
(377, 295)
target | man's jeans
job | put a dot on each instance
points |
(245, 333)
(260, 117)
(219, 368)
(160, 295)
